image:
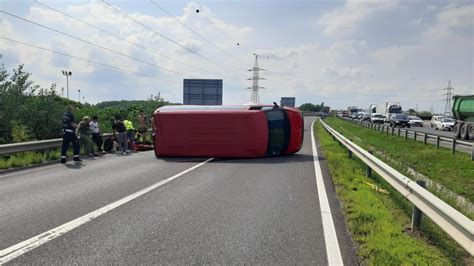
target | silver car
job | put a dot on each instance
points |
(444, 123)
(415, 121)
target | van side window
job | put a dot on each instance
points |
(278, 132)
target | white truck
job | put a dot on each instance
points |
(388, 108)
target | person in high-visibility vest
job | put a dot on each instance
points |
(130, 134)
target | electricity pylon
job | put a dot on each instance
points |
(254, 97)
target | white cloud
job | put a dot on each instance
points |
(344, 20)
(47, 67)
(450, 20)
(340, 73)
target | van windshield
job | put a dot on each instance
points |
(278, 132)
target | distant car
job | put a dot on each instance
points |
(415, 121)
(444, 123)
(377, 118)
(435, 119)
(366, 117)
(400, 120)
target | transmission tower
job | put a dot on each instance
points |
(255, 98)
(447, 107)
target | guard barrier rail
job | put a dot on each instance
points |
(453, 143)
(454, 223)
(34, 145)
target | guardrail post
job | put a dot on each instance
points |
(350, 152)
(417, 214)
(406, 134)
(393, 130)
(398, 133)
(368, 172)
(437, 142)
(472, 152)
(46, 153)
(414, 136)
(453, 147)
(388, 128)
(425, 138)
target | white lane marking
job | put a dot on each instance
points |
(332, 245)
(36, 241)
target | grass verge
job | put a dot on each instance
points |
(23, 159)
(380, 223)
(454, 172)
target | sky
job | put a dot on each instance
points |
(342, 53)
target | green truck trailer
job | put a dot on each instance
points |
(463, 111)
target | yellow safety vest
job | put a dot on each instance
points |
(128, 125)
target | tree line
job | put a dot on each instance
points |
(29, 112)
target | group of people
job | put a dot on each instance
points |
(87, 133)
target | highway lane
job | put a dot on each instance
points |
(36, 200)
(227, 211)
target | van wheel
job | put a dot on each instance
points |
(464, 134)
(457, 130)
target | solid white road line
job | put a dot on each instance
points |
(34, 242)
(332, 245)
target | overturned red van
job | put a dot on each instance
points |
(227, 131)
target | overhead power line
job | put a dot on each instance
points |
(91, 43)
(120, 38)
(88, 60)
(195, 32)
(123, 14)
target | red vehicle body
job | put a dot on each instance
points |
(227, 131)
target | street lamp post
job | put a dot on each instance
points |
(79, 95)
(67, 74)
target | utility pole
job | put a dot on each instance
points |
(447, 107)
(62, 92)
(79, 95)
(67, 74)
(254, 97)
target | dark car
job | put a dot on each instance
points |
(400, 120)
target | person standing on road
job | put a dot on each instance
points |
(94, 127)
(130, 134)
(84, 131)
(69, 135)
(143, 125)
(119, 128)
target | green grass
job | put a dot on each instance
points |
(380, 223)
(455, 172)
(28, 158)
(23, 159)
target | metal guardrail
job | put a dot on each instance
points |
(454, 223)
(34, 145)
(452, 142)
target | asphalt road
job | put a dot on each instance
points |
(227, 211)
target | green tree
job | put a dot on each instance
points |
(311, 107)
